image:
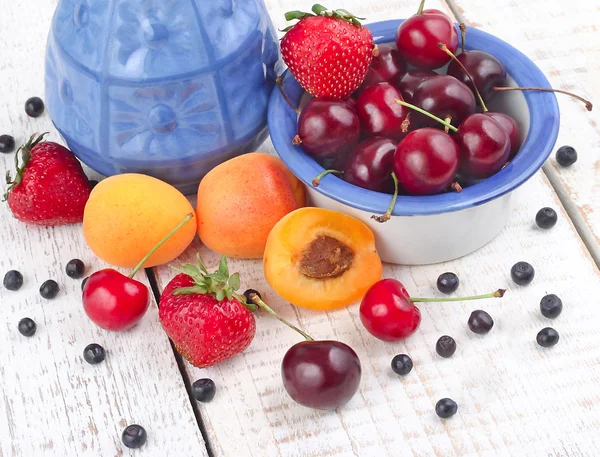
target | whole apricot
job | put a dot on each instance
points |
(127, 215)
(321, 259)
(239, 202)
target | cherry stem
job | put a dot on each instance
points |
(160, 243)
(588, 104)
(463, 35)
(388, 214)
(422, 111)
(421, 6)
(444, 48)
(317, 180)
(449, 121)
(279, 82)
(455, 186)
(497, 294)
(261, 304)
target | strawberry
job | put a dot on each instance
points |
(50, 187)
(328, 52)
(204, 316)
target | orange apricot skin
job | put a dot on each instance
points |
(239, 202)
(294, 232)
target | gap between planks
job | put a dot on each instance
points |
(582, 228)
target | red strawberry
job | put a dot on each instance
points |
(328, 53)
(50, 187)
(204, 316)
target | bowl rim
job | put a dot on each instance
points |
(543, 132)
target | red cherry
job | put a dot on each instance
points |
(370, 165)
(433, 11)
(485, 69)
(426, 161)
(511, 127)
(484, 146)
(411, 80)
(418, 36)
(327, 127)
(445, 97)
(387, 66)
(378, 112)
(113, 301)
(386, 312)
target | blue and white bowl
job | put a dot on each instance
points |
(437, 228)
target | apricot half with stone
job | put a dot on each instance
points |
(321, 259)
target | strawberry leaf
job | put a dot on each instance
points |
(201, 263)
(229, 294)
(234, 281)
(319, 10)
(223, 270)
(190, 290)
(220, 295)
(292, 15)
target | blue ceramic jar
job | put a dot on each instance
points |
(169, 88)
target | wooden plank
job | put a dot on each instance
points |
(52, 402)
(563, 39)
(514, 397)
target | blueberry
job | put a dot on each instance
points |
(7, 144)
(27, 327)
(402, 364)
(445, 346)
(566, 156)
(247, 295)
(551, 306)
(546, 218)
(49, 289)
(446, 408)
(447, 283)
(134, 436)
(75, 269)
(547, 337)
(13, 280)
(480, 322)
(522, 273)
(34, 107)
(94, 353)
(85, 280)
(204, 390)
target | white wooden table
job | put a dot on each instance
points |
(515, 398)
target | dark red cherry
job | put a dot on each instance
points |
(434, 11)
(484, 146)
(511, 127)
(387, 66)
(426, 161)
(445, 97)
(327, 127)
(379, 113)
(417, 40)
(485, 69)
(411, 80)
(321, 374)
(370, 165)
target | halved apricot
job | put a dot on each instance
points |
(321, 259)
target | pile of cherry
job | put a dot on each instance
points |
(410, 130)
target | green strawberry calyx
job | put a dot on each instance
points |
(320, 10)
(218, 284)
(25, 151)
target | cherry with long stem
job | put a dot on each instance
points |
(262, 305)
(496, 294)
(587, 103)
(317, 180)
(388, 214)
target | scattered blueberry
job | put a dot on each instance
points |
(522, 273)
(551, 306)
(547, 337)
(13, 280)
(546, 218)
(134, 436)
(204, 390)
(446, 408)
(94, 353)
(445, 346)
(7, 144)
(49, 289)
(447, 283)
(75, 269)
(480, 322)
(566, 156)
(83, 283)
(402, 364)
(27, 327)
(34, 107)
(247, 295)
